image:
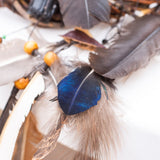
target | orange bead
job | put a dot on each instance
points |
(1, 40)
(30, 46)
(21, 83)
(50, 58)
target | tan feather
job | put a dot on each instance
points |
(97, 128)
(62, 152)
(28, 137)
(49, 142)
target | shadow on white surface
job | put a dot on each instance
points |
(139, 144)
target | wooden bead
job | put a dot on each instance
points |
(1, 40)
(21, 83)
(50, 58)
(30, 46)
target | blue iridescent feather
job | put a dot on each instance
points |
(79, 91)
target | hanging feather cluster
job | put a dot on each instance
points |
(85, 96)
(84, 100)
(79, 91)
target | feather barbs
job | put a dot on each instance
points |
(84, 13)
(122, 59)
(82, 39)
(79, 91)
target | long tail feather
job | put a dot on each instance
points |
(131, 51)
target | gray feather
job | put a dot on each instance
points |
(14, 62)
(131, 51)
(84, 13)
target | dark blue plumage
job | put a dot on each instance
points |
(79, 91)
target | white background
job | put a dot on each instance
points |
(139, 96)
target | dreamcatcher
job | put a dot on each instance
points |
(82, 94)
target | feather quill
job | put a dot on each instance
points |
(14, 62)
(131, 51)
(84, 13)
